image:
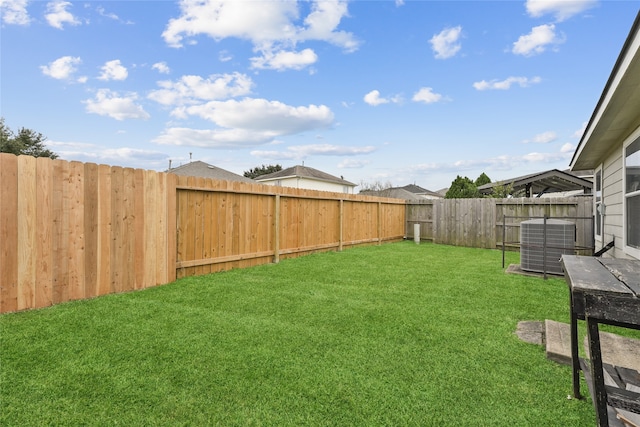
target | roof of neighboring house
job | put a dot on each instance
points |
(304, 172)
(205, 170)
(393, 193)
(551, 181)
(408, 192)
(415, 189)
(617, 113)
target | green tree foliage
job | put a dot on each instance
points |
(462, 188)
(27, 141)
(502, 191)
(262, 170)
(482, 180)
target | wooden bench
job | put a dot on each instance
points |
(607, 291)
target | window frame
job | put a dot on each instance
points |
(598, 217)
(630, 250)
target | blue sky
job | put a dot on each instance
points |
(397, 92)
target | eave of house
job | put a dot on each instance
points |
(617, 113)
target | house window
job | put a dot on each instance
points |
(598, 204)
(632, 194)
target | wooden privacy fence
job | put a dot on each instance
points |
(479, 222)
(222, 225)
(71, 230)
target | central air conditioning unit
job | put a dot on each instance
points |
(543, 242)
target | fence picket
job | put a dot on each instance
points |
(27, 202)
(44, 238)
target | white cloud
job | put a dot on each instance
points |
(506, 83)
(123, 156)
(259, 22)
(191, 89)
(57, 14)
(542, 138)
(330, 150)
(303, 151)
(567, 148)
(261, 115)
(373, 98)
(62, 68)
(109, 103)
(427, 96)
(561, 9)
(161, 67)
(113, 70)
(445, 44)
(212, 138)
(110, 15)
(126, 153)
(322, 22)
(353, 164)
(537, 40)
(14, 12)
(578, 133)
(245, 123)
(498, 163)
(284, 60)
(399, 3)
(225, 56)
(273, 27)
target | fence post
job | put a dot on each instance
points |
(504, 235)
(341, 222)
(276, 232)
(379, 223)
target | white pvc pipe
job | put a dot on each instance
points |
(416, 233)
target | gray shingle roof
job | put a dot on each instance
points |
(205, 170)
(393, 193)
(304, 172)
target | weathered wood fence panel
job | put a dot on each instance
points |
(71, 230)
(479, 222)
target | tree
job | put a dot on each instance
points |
(261, 170)
(375, 186)
(462, 188)
(482, 180)
(502, 191)
(27, 141)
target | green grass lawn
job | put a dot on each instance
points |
(399, 334)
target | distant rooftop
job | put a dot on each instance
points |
(408, 192)
(304, 172)
(205, 170)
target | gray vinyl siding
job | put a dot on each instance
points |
(612, 190)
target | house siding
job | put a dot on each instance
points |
(629, 252)
(309, 184)
(613, 185)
